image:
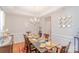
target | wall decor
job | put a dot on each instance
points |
(64, 21)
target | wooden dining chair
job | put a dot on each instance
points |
(64, 49)
(29, 47)
(55, 49)
(12, 41)
(25, 49)
(33, 49)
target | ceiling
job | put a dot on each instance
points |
(30, 10)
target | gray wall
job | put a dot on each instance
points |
(18, 25)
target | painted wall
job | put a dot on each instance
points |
(18, 25)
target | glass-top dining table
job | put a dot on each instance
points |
(43, 45)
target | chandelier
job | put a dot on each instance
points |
(35, 20)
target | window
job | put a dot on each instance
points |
(1, 20)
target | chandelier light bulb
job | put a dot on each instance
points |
(35, 19)
(59, 17)
(64, 26)
(68, 25)
(64, 18)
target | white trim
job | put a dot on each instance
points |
(63, 36)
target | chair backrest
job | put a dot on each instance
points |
(26, 47)
(12, 41)
(55, 49)
(65, 49)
